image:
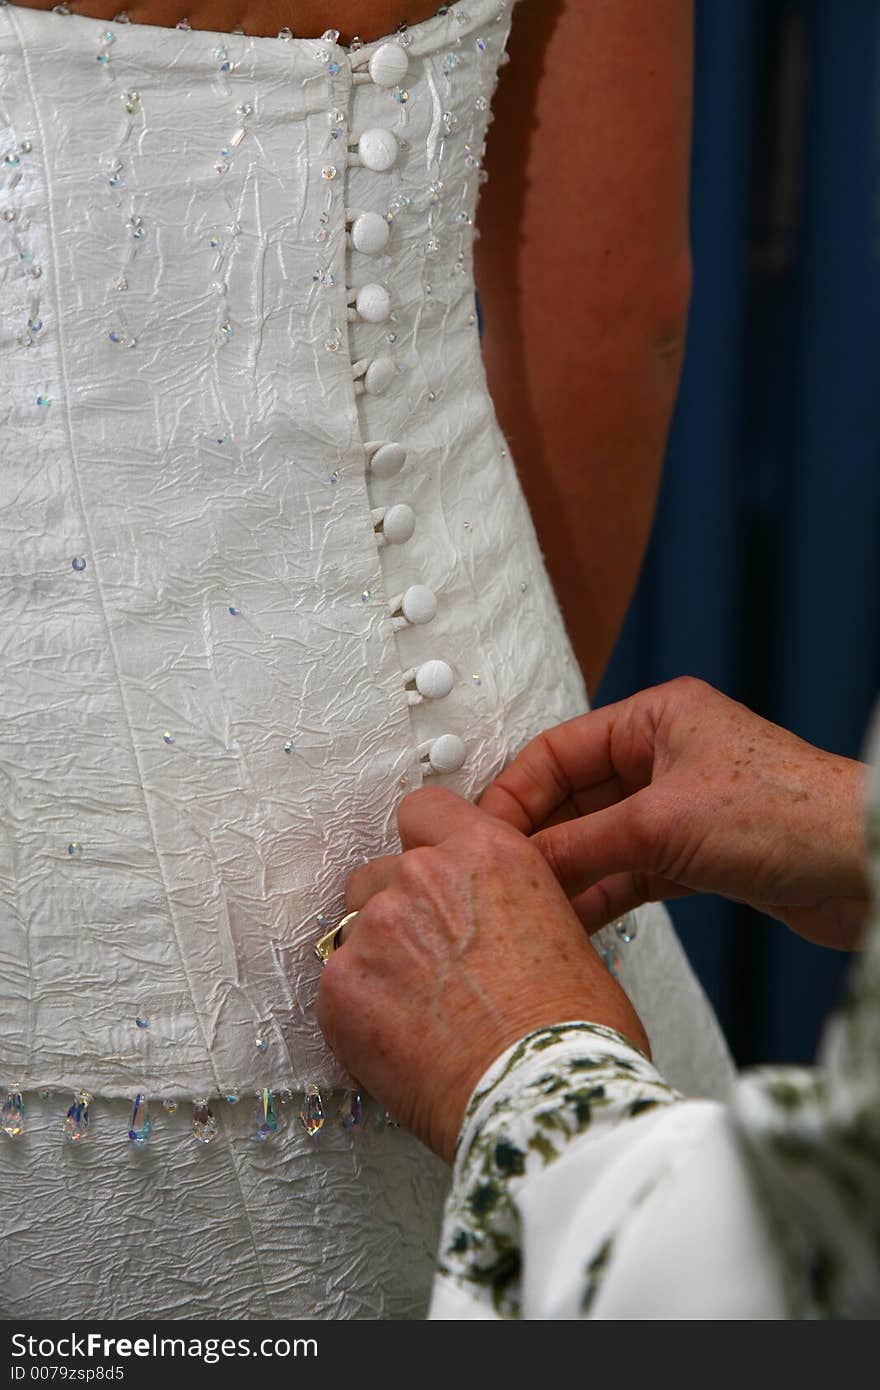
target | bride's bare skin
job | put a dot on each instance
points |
(583, 267)
(369, 19)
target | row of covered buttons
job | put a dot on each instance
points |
(369, 233)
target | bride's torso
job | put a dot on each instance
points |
(232, 267)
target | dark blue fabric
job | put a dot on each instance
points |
(763, 573)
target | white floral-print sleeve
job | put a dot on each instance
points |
(585, 1187)
(547, 1092)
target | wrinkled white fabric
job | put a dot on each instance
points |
(205, 718)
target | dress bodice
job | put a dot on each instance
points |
(266, 565)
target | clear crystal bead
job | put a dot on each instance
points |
(627, 928)
(611, 959)
(141, 1124)
(268, 1121)
(76, 1123)
(352, 1110)
(204, 1125)
(12, 1114)
(312, 1112)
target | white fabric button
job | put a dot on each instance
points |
(388, 65)
(370, 233)
(373, 303)
(419, 604)
(378, 149)
(434, 679)
(387, 461)
(398, 523)
(447, 753)
(379, 376)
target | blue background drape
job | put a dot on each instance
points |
(763, 573)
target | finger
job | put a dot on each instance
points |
(621, 893)
(431, 815)
(621, 839)
(576, 757)
(368, 879)
(495, 801)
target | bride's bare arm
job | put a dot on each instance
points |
(584, 276)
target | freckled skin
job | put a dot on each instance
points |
(658, 804)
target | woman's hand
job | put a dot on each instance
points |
(680, 790)
(462, 945)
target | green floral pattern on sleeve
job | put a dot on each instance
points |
(541, 1095)
(812, 1137)
(812, 1142)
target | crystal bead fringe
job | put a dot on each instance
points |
(312, 1114)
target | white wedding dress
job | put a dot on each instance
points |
(265, 567)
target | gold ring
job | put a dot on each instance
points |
(325, 947)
